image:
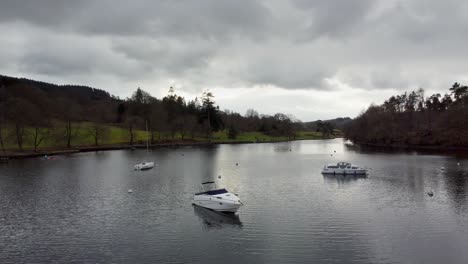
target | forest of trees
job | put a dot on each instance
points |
(36, 111)
(412, 119)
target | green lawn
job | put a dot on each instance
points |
(116, 135)
(82, 137)
(247, 136)
(259, 137)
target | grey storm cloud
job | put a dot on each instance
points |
(334, 18)
(205, 18)
(297, 44)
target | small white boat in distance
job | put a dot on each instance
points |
(219, 200)
(144, 165)
(343, 168)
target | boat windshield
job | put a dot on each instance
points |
(213, 192)
(343, 165)
(208, 186)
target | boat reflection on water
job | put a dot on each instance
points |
(213, 219)
(283, 148)
(340, 178)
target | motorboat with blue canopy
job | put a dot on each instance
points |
(217, 199)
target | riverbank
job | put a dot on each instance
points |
(4, 156)
(405, 147)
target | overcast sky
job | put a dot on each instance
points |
(309, 58)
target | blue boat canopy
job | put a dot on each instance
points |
(213, 192)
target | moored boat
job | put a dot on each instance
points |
(343, 168)
(144, 165)
(216, 199)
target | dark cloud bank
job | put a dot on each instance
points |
(337, 47)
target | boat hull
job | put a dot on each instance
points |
(216, 219)
(344, 171)
(216, 204)
(144, 166)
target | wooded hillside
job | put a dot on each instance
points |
(415, 120)
(33, 112)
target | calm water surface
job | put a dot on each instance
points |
(77, 209)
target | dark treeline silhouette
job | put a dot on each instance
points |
(327, 126)
(34, 112)
(415, 120)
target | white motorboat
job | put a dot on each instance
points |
(216, 199)
(343, 168)
(144, 165)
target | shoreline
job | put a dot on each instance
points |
(5, 156)
(411, 147)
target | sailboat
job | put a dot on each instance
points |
(145, 165)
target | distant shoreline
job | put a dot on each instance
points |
(54, 152)
(412, 147)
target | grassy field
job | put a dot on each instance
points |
(82, 136)
(260, 137)
(115, 135)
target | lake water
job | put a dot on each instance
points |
(77, 208)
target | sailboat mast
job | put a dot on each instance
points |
(147, 146)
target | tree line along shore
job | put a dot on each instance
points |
(415, 120)
(39, 117)
(115, 139)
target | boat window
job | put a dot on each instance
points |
(354, 167)
(219, 197)
(213, 192)
(333, 167)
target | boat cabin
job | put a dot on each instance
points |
(210, 188)
(343, 165)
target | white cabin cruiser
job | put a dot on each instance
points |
(343, 168)
(144, 165)
(219, 200)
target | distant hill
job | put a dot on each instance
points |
(338, 123)
(30, 89)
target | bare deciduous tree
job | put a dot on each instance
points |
(19, 112)
(132, 124)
